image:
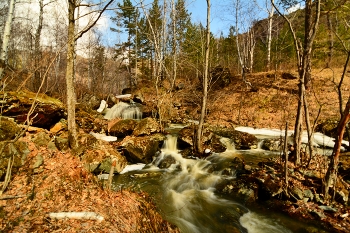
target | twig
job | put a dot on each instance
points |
(12, 197)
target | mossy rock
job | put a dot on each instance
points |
(46, 113)
(147, 126)
(123, 128)
(18, 151)
(8, 129)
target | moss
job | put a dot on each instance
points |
(27, 97)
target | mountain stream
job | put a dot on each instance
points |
(185, 193)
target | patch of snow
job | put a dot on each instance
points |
(123, 96)
(133, 167)
(103, 176)
(320, 140)
(104, 137)
(77, 215)
(103, 106)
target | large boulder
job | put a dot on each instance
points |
(141, 149)
(328, 127)
(17, 150)
(88, 122)
(8, 129)
(242, 140)
(46, 113)
(187, 134)
(272, 144)
(147, 126)
(122, 128)
(98, 155)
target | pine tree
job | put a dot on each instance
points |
(127, 18)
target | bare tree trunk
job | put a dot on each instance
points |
(331, 174)
(70, 72)
(303, 53)
(6, 37)
(298, 121)
(198, 144)
(173, 11)
(308, 127)
(286, 156)
(37, 52)
(269, 36)
(330, 41)
(71, 97)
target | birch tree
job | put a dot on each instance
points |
(270, 10)
(6, 37)
(198, 142)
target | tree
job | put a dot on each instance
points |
(6, 37)
(303, 54)
(198, 142)
(128, 15)
(270, 11)
(331, 175)
(180, 22)
(70, 72)
(37, 47)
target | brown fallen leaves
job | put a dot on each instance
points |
(61, 184)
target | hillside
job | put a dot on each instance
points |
(270, 105)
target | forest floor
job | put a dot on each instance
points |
(61, 184)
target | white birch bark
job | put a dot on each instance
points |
(6, 37)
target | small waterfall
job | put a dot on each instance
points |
(260, 144)
(170, 144)
(125, 111)
(188, 188)
(229, 144)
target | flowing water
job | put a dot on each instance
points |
(124, 110)
(185, 194)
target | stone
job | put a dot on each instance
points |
(167, 162)
(147, 126)
(51, 145)
(141, 149)
(8, 128)
(271, 144)
(47, 112)
(242, 140)
(59, 126)
(41, 139)
(297, 193)
(342, 196)
(122, 128)
(308, 194)
(100, 161)
(328, 208)
(62, 144)
(38, 161)
(18, 151)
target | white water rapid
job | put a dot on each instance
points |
(184, 191)
(121, 110)
(185, 194)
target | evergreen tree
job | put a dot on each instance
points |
(127, 17)
(183, 22)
